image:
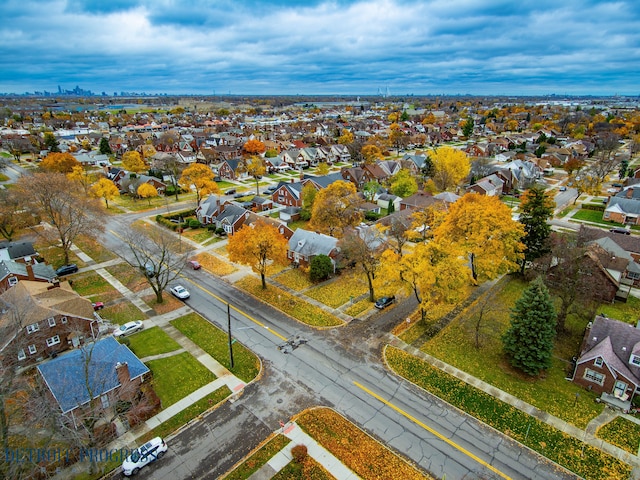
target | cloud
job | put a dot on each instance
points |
(332, 47)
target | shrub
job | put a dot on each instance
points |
(320, 268)
(299, 453)
(124, 341)
(194, 223)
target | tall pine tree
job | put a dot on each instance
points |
(529, 340)
(536, 209)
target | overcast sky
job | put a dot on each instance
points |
(481, 47)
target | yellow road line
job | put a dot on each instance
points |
(431, 430)
(244, 314)
(257, 322)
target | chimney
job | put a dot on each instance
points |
(629, 192)
(122, 370)
(30, 274)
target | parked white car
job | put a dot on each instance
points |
(128, 328)
(143, 456)
(180, 292)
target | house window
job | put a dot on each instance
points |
(598, 362)
(21, 355)
(633, 275)
(635, 360)
(63, 319)
(13, 281)
(52, 321)
(32, 349)
(32, 328)
(594, 377)
(53, 341)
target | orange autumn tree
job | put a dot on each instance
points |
(335, 208)
(258, 246)
(60, 162)
(254, 147)
(485, 232)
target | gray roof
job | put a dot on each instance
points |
(18, 249)
(614, 341)
(309, 243)
(40, 270)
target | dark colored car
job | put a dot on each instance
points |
(620, 230)
(384, 302)
(231, 191)
(67, 269)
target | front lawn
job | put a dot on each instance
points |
(622, 433)
(294, 278)
(258, 458)
(152, 341)
(571, 453)
(339, 290)
(289, 304)
(94, 249)
(216, 343)
(215, 265)
(455, 345)
(184, 416)
(177, 376)
(122, 312)
(129, 276)
(91, 283)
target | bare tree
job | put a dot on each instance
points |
(397, 231)
(605, 159)
(158, 254)
(169, 164)
(59, 202)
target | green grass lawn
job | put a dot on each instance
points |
(551, 392)
(290, 304)
(621, 433)
(91, 283)
(136, 205)
(122, 312)
(215, 342)
(593, 216)
(625, 312)
(94, 249)
(177, 376)
(152, 341)
(192, 411)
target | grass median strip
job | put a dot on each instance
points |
(258, 458)
(215, 342)
(571, 453)
(621, 433)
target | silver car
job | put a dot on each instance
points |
(180, 292)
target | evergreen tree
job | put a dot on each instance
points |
(51, 142)
(529, 340)
(105, 148)
(467, 128)
(536, 208)
(320, 268)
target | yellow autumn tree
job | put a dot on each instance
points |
(335, 208)
(258, 246)
(60, 162)
(371, 154)
(425, 220)
(256, 168)
(148, 191)
(132, 162)
(346, 137)
(105, 188)
(82, 177)
(450, 167)
(483, 229)
(200, 177)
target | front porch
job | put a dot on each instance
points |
(616, 402)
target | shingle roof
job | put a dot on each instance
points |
(309, 243)
(65, 375)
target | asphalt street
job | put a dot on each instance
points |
(339, 368)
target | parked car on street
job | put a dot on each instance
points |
(620, 230)
(180, 292)
(194, 264)
(128, 328)
(231, 191)
(67, 269)
(143, 456)
(384, 302)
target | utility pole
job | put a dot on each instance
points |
(229, 330)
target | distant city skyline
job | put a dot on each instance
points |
(339, 47)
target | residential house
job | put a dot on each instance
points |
(40, 319)
(18, 251)
(609, 361)
(304, 245)
(624, 207)
(384, 199)
(231, 168)
(12, 272)
(491, 186)
(288, 194)
(105, 371)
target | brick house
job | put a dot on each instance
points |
(609, 361)
(304, 245)
(43, 319)
(12, 272)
